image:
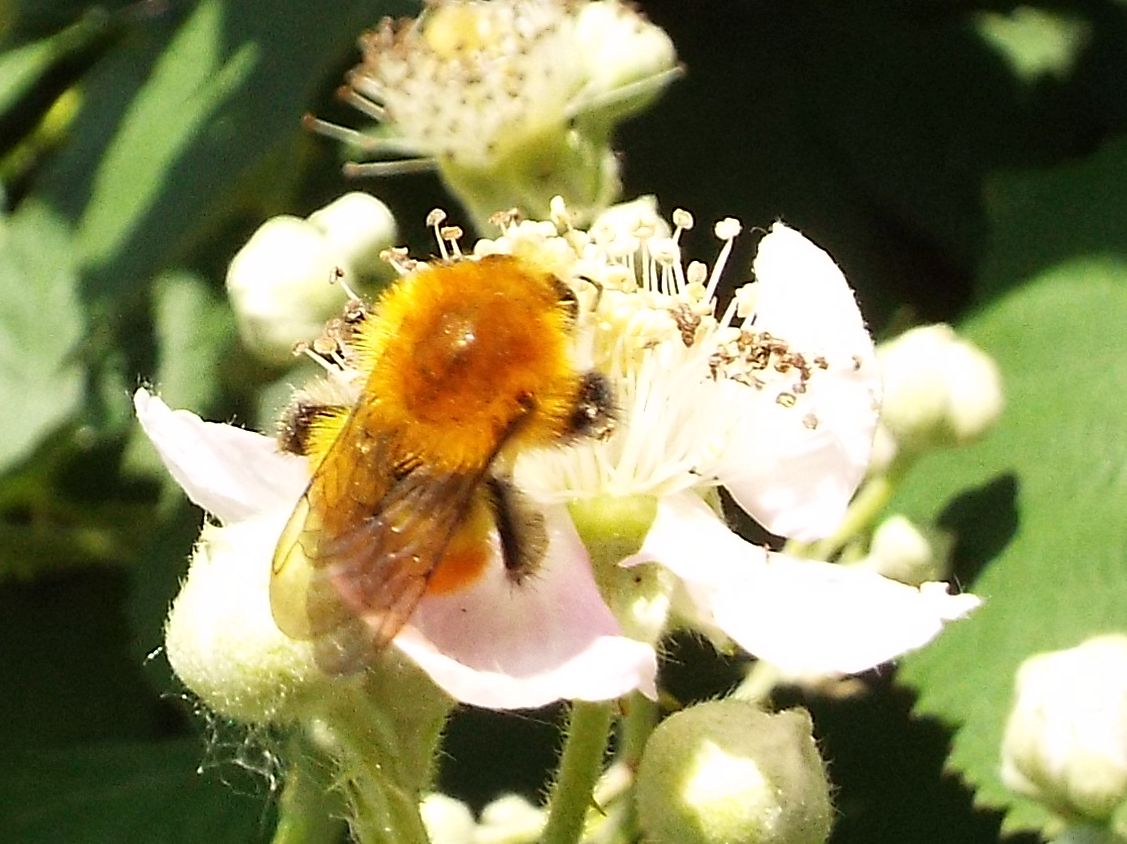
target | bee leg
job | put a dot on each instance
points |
(520, 527)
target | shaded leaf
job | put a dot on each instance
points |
(126, 792)
(71, 676)
(191, 145)
(1066, 213)
(22, 67)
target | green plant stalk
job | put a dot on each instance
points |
(636, 726)
(868, 504)
(580, 767)
(384, 807)
(309, 810)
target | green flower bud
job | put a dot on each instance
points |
(221, 639)
(727, 772)
(280, 286)
(1066, 739)
(939, 390)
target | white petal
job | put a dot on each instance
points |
(504, 646)
(804, 298)
(230, 472)
(808, 618)
(799, 462)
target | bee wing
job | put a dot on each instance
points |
(360, 546)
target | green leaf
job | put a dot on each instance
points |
(41, 323)
(158, 792)
(1055, 216)
(191, 145)
(1036, 43)
(188, 86)
(1045, 515)
(23, 66)
(195, 330)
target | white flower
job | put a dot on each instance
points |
(512, 100)
(773, 398)
(490, 645)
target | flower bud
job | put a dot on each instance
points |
(221, 639)
(281, 282)
(726, 772)
(510, 818)
(447, 820)
(939, 390)
(904, 552)
(280, 286)
(1066, 739)
(358, 227)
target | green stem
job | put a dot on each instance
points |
(639, 720)
(863, 511)
(378, 773)
(309, 811)
(638, 723)
(580, 767)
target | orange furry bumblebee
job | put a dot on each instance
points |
(468, 363)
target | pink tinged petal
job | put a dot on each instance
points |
(501, 645)
(804, 453)
(806, 617)
(230, 472)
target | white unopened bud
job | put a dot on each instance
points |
(282, 282)
(1066, 739)
(221, 639)
(281, 287)
(939, 390)
(904, 552)
(726, 772)
(510, 818)
(448, 821)
(358, 228)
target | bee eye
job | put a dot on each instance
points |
(594, 412)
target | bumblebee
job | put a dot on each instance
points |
(464, 365)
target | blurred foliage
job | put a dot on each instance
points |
(962, 161)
